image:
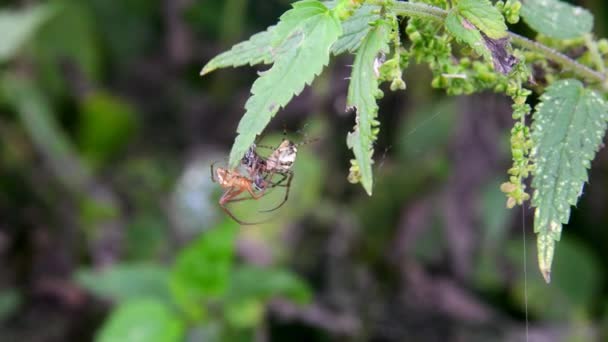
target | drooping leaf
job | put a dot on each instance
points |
(484, 16)
(556, 19)
(142, 320)
(18, 26)
(255, 50)
(355, 28)
(569, 125)
(126, 281)
(308, 31)
(201, 271)
(362, 90)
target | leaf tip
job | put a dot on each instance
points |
(547, 275)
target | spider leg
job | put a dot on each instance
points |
(287, 187)
(229, 197)
(279, 182)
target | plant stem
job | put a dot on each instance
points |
(418, 10)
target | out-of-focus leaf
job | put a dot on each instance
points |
(202, 270)
(69, 39)
(146, 236)
(568, 128)
(246, 313)
(9, 302)
(106, 125)
(127, 281)
(19, 26)
(574, 286)
(35, 112)
(556, 19)
(142, 320)
(263, 283)
(252, 286)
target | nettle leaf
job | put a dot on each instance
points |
(307, 31)
(484, 16)
(465, 32)
(355, 29)
(361, 96)
(556, 19)
(568, 129)
(254, 51)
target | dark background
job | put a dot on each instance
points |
(112, 166)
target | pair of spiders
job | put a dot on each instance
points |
(260, 172)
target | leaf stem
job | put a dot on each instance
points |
(419, 10)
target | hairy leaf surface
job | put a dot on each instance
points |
(469, 35)
(355, 29)
(310, 30)
(484, 16)
(569, 125)
(254, 51)
(556, 19)
(361, 96)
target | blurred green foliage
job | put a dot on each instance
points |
(105, 148)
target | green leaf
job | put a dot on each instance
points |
(355, 28)
(202, 270)
(557, 19)
(126, 281)
(362, 92)
(252, 286)
(568, 128)
(18, 26)
(308, 31)
(106, 124)
(484, 16)
(254, 51)
(468, 34)
(249, 281)
(143, 320)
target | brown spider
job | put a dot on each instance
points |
(235, 184)
(280, 161)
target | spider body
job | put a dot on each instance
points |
(235, 184)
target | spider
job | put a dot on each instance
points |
(235, 184)
(280, 161)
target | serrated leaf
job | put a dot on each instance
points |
(355, 28)
(556, 19)
(484, 16)
(142, 320)
(569, 125)
(255, 50)
(468, 34)
(361, 96)
(309, 30)
(18, 26)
